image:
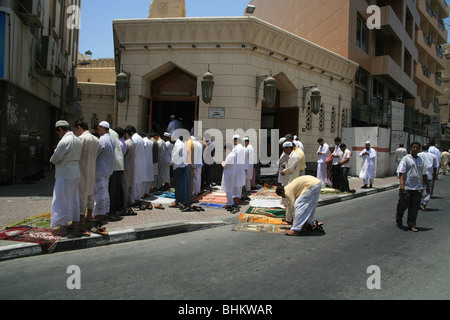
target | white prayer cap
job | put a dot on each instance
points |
(173, 116)
(287, 144)
(62, 123)
(246, 139)
(367, 142)
(166, 134)
(295, 137)
(104, 124)
(236, 136)
(282, 140)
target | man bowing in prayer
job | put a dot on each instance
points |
(368, 165)
(301, 197)
(65, 204)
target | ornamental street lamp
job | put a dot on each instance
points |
(207, 87)
(122, 86)
(270, 89)
(316, 98)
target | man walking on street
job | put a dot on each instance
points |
(413, 179)
(345, 167)
(399, 154)
(432, 167)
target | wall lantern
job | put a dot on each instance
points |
(270, 90)
(207, 87)
(316, 98)
(122, 86)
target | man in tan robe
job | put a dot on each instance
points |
(87, 168)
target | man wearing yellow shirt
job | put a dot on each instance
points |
(301, 197)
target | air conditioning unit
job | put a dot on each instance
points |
(48, 56)
(31, 12)
(61, 65)
(72, 89)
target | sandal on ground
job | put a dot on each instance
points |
(100, 231)
(159, 206)
(174, 205)
(413, 229)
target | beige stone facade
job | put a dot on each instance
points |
(236, 51)
(401, 61)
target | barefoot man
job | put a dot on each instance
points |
(301, 196)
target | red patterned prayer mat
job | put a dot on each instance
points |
(41, 236)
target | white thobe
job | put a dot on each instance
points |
(104, 169)
(197, 165)
(292, 168)
(249, 166)
(140, 167)
(90, 145)
(148, 147)
(368, 165)
(228, 177)
(240, 170)
(66, 202)
(321, 162)
(163, 163)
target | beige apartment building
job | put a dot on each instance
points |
(165, 60)
(402, 61)
(38, 62)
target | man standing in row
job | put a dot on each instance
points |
(368, 165)
(90, 145)
(432, 166)
(239, 182)
(321, 162)
(66, 201)
(103, 170)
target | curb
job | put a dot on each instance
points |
(22, 250)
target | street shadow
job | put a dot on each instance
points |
(421, 229)
(431, 210)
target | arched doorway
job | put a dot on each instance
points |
(174, 93)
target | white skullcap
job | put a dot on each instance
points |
(166, 134)
(246, 139)
(367, 142)
(282, 140)
(104, 124)
(287, 144)
(295, 137)
(172, 116)
(236, 136)
(62, 123)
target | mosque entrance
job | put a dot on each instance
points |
(174, 93)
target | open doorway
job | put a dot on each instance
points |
(174, 93)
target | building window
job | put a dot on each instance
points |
(321, 119)
(362, 34)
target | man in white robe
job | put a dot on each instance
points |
(437, 153)
(140, 166)
(301, 197)
(103, 170)
(249, 164)
(229, 175)
(400, 153)
(240, 168)
(174, 124)
(292, 164)
(367, 172)
(197, 166)
(149, 176)
(128, 173)
(432, 165)
(66, 201)
(165, 150)
(322, 152)
(90, 145)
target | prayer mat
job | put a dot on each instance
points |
(326, 190)
(215, 197)
(266, 202)
(39, 221)
(269, 212)
(164, 194)
(213, 205)
(253, 223)
(41, 236)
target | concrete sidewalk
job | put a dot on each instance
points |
(21, 201)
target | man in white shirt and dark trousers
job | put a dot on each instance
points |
(413, 179)
(345, 167)
(336, 166)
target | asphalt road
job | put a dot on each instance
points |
(221, 264)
